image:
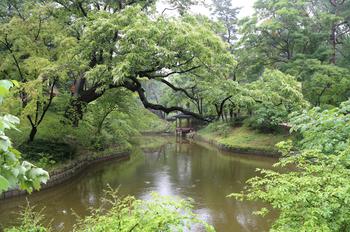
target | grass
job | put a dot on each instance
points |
(244, 138)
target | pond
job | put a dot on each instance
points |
(179, 168)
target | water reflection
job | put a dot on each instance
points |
(182, 169)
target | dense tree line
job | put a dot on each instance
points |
(84, 48)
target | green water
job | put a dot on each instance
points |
(182, 169)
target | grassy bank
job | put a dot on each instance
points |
(242, 138)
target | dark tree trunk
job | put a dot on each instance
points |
(199, 104)
(75, 110)
(220, 109)
(32, 134)
(39, 118)
(81, 97)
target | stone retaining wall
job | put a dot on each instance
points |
(224, 147)
(67, 172)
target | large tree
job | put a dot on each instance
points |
(120, 50)
(88, 47)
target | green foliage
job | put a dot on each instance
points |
(159, 213)
(277, 95)
(13, 171)
(47, 149)
(151, 123)
(310, 190)
(267, 117)
(313, 196)
(117, 117)
(308, 39)
(31, 221)
(227, 15)
(323, 84)
(327, 131)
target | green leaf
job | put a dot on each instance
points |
(4, 184)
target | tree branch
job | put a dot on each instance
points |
(135, 86)
(49, 103)
(173, 72)
(178, 89)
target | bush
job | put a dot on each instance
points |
(30, 221)
(267, 118)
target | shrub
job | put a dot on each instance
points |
(30, 221)
(267, 118)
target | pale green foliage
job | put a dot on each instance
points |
(216, 90)
(145, 45)
(279, 88)
(313, 196)
(217, 128)
(116, 117)
(35, 51)
(13, 171)
(277, 94)
(327, 131)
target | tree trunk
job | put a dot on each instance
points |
(74, 111)
(32, 134)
